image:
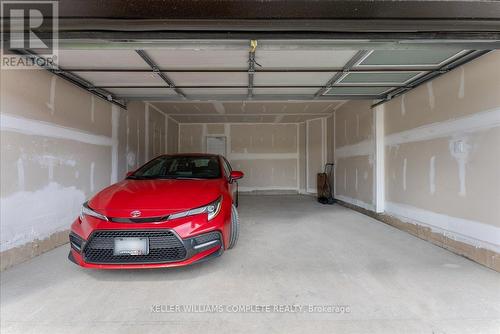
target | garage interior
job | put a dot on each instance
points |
(411, 120)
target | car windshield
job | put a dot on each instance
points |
(179, 167)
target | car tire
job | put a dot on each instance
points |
(235, 227)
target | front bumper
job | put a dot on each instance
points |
(167, 249)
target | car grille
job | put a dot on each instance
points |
(164, 246)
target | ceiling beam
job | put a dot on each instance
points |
(160, 74)
(346, 69)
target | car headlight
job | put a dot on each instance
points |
(87, 211)
(212, 210)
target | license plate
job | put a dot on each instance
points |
(131, 246)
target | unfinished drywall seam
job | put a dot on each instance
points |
(323, 141)
(146, 132)
(204, 138)
(334, 154)
(432, 175)
(115, 118)
(20, 174)
(379, 157)
(39, 128)
(430, 92)
(307, 155)
(52, 95)
(92, 108)
(227, 134)
(298, 158)
(166, 135)
(472, 123)
(461, 88)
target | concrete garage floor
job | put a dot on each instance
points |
(291, 251)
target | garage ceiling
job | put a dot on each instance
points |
(256, 53)
(223, 70)
(242, 80)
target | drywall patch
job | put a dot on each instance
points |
(403, 105)
(20, 173)
(345, 130)
(356, 181)
(92, 176)
(405, 165)
(357, 126)
(219, 107)
(345, 179)
(432, 175)
(430, 92)
(52, 209)
(461, 88)
(52, 95)
(92, 108)
(459, 149)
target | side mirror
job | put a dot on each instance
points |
(129, 173)
(236, 175)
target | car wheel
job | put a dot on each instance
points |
(235, 227)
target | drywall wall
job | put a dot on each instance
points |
(428, 161)
(58, 147)
(273, 156)
(442, 157)
(354, 153)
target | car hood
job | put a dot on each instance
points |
(155, 197)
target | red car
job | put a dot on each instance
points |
(173, 211)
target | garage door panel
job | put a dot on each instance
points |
(303, 58)
(121, 78)
(201, 58)
(202, 79)
(142, 92)
(285, 91)
(431, 57)
(101, 59)
(290, 79)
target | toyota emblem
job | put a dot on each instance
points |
(135, 214)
